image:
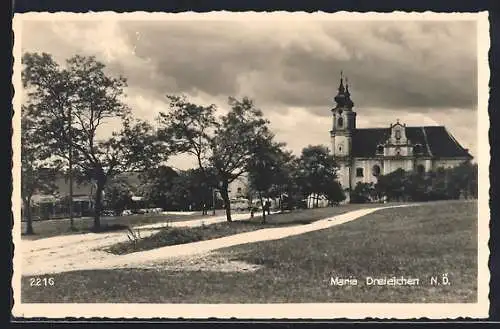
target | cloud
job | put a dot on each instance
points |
(422, 72)
(403, 64)
(390, 64)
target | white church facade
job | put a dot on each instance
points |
(364, 154)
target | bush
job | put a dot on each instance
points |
(441, 184)
(363, 193)
(110, 228)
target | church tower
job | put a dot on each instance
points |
(344, 123)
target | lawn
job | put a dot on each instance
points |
(419, 242)
(179, 235)
(49, 228)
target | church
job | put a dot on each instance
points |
(362, 154)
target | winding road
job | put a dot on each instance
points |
(84, 251)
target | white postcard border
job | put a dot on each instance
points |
(268, 311)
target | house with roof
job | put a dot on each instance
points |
(51, 206)
(55, 205)
(363, 154)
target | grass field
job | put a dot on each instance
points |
(420, 242)
(180, 235)
(49, 228)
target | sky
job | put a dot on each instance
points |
(420, 72)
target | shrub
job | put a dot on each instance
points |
(363, 193)
(441, 184)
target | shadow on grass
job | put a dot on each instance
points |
(170, 236)
(109, 228)
(58, 227)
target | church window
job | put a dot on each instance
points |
(376, 170)
(340, 122)
(359, 172)
(398, 134)
(420, 169)
(417, 149)
(380, 149)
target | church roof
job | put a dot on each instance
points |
(436, 141)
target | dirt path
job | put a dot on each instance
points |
(104, 239)
(68, 252)
(71, 253)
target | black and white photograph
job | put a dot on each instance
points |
(251, 165)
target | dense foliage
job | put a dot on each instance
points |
(440, 184)
(69, 105)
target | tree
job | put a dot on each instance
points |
(223, 143)
(118, 195)
(233, 143)
(266, 169)
(391, 185)
(199, 187)
(176, 190)
(334, 193)
(362, 193)
(71, 104)
(158, 187)
(317, 173)
(438, 184)
(463, 178)
(283, 180)
(37, 174)
(296, 189)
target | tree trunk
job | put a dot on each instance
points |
(263, 208)
(29, 217)
(98, 204)
(227, 203)
(281, 199)
(213, 201)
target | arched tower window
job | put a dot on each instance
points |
(340, 122)
(376, 170)
(398, 134)
(420, 169)
(417, 149)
